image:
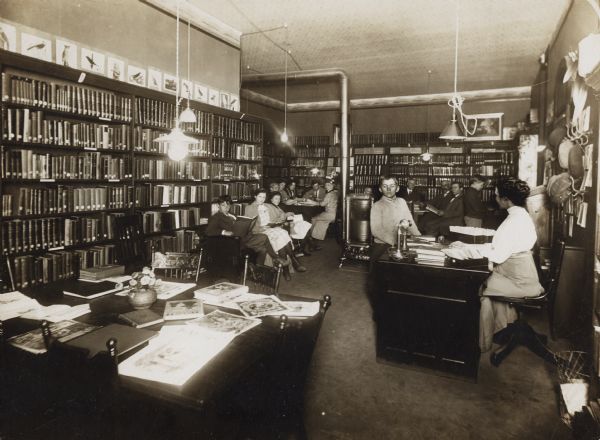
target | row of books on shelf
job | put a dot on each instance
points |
(307, 162)
(235, 170)
(427, 170)
(277, 172)
(391, 138)
(63, 199)
(162, 221)
(80, 100)
(235, 190)
(179, 241)
(369, 169)
(444, 158)
(306, 172)
(96, 256)
(369, 159)
(366, 180)
(144, 140)
(235, 208)
(237, 129)
(162, 114)
(156, 195)
(147, 168)
(497, 157)
(26, 164)
(28, 270)
(276, 161)
(225, 149)
(311, 151)
(30, 126)
(52, 232)
(311, 141)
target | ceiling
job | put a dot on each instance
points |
(388, 46)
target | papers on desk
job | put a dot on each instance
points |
(223, 322)
(270, 305)
(14, 304)
(64, 331)
(302, 308)
(57, 312)
(176, 354)
(169, 289)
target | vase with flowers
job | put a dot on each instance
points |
(142, 288)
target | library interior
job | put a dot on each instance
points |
(315, 219)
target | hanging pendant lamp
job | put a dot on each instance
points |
(178, 142)
(188, 115)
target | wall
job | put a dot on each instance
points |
(132, 30)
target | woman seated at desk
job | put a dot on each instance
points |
(514, 273)
(266, 224)
(222, 223)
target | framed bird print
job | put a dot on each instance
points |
(115, 69)
(187, 89)
(200, 93)
(36, 47)
(213, 97)
(8, 37)
(234, 103)
(92, 61)
(154, 79)
(136, 75)
(224, 100)
(169, 83)
(65, 53)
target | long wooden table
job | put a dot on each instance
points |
(428, 316)
(255, 386)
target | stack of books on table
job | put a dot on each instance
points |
(428, 253)
(101, 272)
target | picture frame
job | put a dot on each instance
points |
(201, 93)
(92, 61)
(213, 97)
(170, 83)
(187, 89)
(36, 47)
(224, 100)
(487, 126)
(115, 69)
(8, 36)
(234, 103)
(136, 75)
(66, 53)
(154, 79)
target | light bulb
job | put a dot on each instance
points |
(177, 150)
(426, 157)
(284, 136)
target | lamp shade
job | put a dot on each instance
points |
(176, 135)
(452, 132)
(187, 116)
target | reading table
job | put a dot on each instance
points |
(254, 388)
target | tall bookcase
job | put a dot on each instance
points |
(456, 161)
(78, 151)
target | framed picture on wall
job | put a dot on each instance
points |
(92, 60)
(66, 53)
(234, 103)
(486, 126)
(8, 37)
(213, 97)
(36, 47)
(170, 83)
(154, 79)
(224, 100)
(136, 75)
(187, 89)
(200, 93)
(115, 69)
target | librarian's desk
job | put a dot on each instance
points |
(254, 387)
(307, 211)
(428, 316)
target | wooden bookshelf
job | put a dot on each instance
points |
(78, 151)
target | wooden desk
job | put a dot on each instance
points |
(254, 375)
(307, 211)
(428, 315)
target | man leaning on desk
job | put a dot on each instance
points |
(386, 213)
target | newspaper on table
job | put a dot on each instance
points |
(176, 354)
(14, 304)
(58, 312)
(269, 305)
(223, 322)
(169, 289)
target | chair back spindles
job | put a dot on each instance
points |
(46, 334)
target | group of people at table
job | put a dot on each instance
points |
(514, 272)
(270, 233)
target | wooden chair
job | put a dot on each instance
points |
(261, 279)
(129, 233)
(178, 265)
(222, 257)
(520, 332)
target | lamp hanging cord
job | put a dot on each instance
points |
(456, 101)
(177, 69)
(188, 64)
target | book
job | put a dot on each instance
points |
(127, 338)
(101, 272)
(141, 318)
(169, 289)
(271, 305)
(224, 322)
(302, 308)
(183, 309)
(433, 209)
(221, 292)
(33, 341)
(90, 290)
